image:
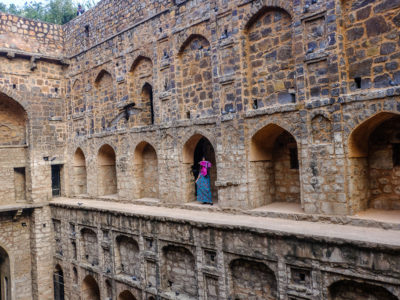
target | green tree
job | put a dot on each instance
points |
(55, 11)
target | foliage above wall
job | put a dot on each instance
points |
(55, 11)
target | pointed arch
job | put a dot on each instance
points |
(102, 74)
(107, 175)
(146, 171)
(90, 289)
(140, 84)
(77, 97)
(374, 160)
(195, 148)
(270, 64)
(79, 173)
(274, 167)
(126, 295)
(195, 67)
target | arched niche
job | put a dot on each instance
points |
(274, 167)
(58, 283)
(77, 97)
(179, 278)
(193, 151)
(89, 247)
(127, 258)
(252, 280)
(146, 171)
(126, 295)
(104, 101)
(107, 175)
(13, 142)
(270, 59)
(90, 289)
(196, 96)
(374, 162)
(364, 24)
(5, 276)
(347, 289)
(79, 173)
(140, 84)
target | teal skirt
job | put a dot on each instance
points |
(204, 189)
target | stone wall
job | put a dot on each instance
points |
(25, 35)
(177, 259)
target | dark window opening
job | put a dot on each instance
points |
(294, 159)
(14, 86)
(188, 114)
(87, 30)
(56, 180)
(58, 280)
(148, 89)
(255, 104)
(357, 81)
(396, 155)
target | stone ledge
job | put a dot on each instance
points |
(318, 230)
(272, 110)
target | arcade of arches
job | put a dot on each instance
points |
(104, 120)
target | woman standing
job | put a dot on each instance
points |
(203, 183)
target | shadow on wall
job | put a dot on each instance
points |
(374, 156)
(107, 175)
(90, 289)
(347, 289)
(274, 167)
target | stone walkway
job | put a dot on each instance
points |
(354, 234)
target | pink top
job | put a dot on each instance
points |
(204, 166)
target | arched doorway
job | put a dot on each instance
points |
(80, 177)
(126, 295)
(194, 150)
(107, 176)
(58, 282)
(146, 171)
(5, 276)
(90, 289)
(274, 167)
(374, 163)
(347, 289)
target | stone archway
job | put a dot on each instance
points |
(126, 295)
(79, 173)
(374, 163)
(107, 175)
(13, 141)
(90, 289)
(193, 151)
(274, 167)
(146, 171)
(5, 276)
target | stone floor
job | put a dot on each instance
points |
(373, 236)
